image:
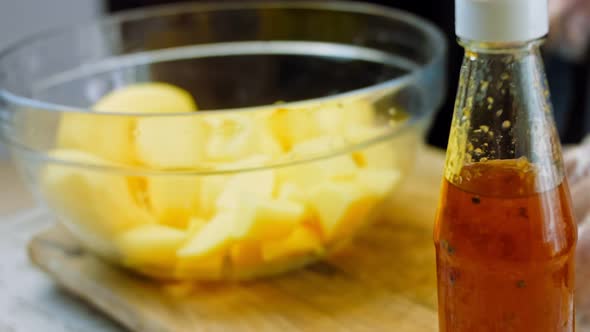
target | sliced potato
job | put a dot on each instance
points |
(302, 240)
(153, 245)
(174, 199)
(111, 136)
(94, 201)
(336, 204)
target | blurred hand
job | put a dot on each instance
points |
(570, 27)
(577, 166)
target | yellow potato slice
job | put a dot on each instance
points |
(201, 266)
(246, 254)
(331, 118)
(171, 143)
(256, 184)
(292, 126)
(340, 207)
(251, 218)
(151, 245)
(153, 97)
(301, 241)
(236, 137)
(97, 204)
(211, 188)
(264, 219)
(196, 225)
(292, 192)
(107, 136)
(174, 199)
(310, 174)
(205, 267)
(212, 238)
(112, 137)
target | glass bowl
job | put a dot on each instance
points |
(310, 114)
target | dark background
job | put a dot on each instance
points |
(569, 81)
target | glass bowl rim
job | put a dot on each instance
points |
(433, 33)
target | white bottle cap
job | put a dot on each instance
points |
(501, 20)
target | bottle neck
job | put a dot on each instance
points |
(478, 47)
(503, 110)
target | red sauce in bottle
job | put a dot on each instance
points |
(505, 251)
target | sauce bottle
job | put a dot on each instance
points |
(505, 234)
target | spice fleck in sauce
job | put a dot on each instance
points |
(504, 252)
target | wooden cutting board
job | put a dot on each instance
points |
(385, 281)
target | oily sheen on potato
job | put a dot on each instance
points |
(176, 225)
